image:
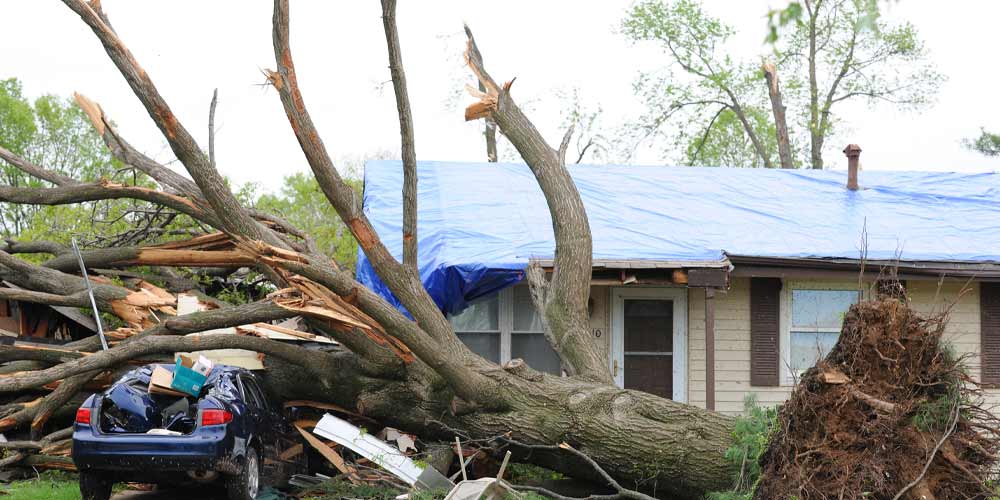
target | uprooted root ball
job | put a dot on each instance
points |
(889, 413)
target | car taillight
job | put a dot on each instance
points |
(215, 417)
(83, 416)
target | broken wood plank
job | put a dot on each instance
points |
(330, 455)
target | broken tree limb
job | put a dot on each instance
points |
(565, 310)
(433, 341)
(153, 345)
(57, 399)
(211, 184)
(778, 110)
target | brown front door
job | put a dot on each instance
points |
(648, 341)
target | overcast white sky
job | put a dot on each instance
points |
(190, 47)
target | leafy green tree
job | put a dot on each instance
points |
(55, 133)
(987, 143)
(837, 51)
(709, 86)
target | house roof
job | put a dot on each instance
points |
(480, 223)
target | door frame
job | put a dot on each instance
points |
(617, 359)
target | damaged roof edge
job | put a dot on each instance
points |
(911, 268)
(723, 263)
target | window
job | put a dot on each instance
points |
(506, 326)
(527, 339)
(814, 324)
(479, 327)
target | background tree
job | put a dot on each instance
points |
(713, 92)
(987, 143)
(55, 132)
(836, 51)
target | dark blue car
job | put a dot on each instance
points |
(231, 433)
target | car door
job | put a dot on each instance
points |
(268, 428)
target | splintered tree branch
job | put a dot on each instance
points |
(778, 109)
(566, 307)
(127, 154)
(491, 128)
(406, 133)
(232, 217)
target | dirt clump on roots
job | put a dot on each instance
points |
(889, 413)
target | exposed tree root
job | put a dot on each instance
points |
(888, 414)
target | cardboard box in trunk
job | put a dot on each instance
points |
(190, 374)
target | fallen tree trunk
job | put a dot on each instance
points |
(642, 440)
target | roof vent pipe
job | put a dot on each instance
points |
(853, 152)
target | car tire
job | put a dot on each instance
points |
(246, 484)
(95, 486)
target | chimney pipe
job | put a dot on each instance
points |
(853, 152)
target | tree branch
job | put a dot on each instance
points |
(34, 170)
(78, 193)
(433, 341)
(406, 133)
(566, 310)
(211, 127)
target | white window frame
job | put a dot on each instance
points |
(505, 320)
(785, 321)
(680, 353)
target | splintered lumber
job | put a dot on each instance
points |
(330, 455)
(316, 301)
(191, 258)
(275, 332)
(211, 241)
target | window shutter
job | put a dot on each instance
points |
(989, 332)
(765, 298)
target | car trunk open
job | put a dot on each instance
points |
(130, 407)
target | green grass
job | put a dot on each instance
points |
(52, 485)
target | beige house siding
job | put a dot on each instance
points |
(600, 317)
(732, 334)
(732, 350)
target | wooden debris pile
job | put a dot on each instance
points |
(888, 414)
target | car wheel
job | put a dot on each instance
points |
(95, 486)
(246, 484)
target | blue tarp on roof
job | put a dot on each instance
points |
(479, 223)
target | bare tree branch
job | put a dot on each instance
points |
(211, 127)
(406, 133)
(34, 170)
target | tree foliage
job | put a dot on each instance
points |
(987, 143)
(54, 131)
(837, 51)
